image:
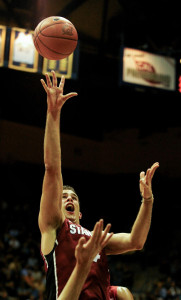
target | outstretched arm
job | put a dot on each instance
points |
(85, 252)
(135, 240)
(50, 215)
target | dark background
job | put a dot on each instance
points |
(103, 108)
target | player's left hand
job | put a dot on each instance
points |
(146, 181)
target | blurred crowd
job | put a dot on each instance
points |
(22, 274)
(148, 282)
(21, 267)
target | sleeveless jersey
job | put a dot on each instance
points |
(60, 262)
(113, 292)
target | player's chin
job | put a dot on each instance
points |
(71, 216)
(72, 219)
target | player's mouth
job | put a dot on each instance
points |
(70, 208)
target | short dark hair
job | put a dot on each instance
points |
(68, 187)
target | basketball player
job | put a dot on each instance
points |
(85, 252)
(60, 214)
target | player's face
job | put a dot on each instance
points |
(70, 206)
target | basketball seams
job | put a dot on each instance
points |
(58, 37)
(55, 52)
(41, 30)
(37, 32)
(38, 48)
(36, 43)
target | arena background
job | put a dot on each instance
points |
(109, 134)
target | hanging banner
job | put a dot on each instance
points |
(143, 68)
(2, 44)
(61, 67)
(22, 55)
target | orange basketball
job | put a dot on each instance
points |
(55, 38)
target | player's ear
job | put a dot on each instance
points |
(80, 215)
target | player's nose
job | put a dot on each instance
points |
(69, 199)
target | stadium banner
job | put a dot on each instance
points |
(2, 44)
(22, 54)
(61, 67)
(147, 69)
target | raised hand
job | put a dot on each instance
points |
(146, 181)
(55, 97)
(85, 252)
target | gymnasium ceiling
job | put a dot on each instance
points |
(102, 25)
(153, 25)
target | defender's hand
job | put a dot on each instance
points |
(85, 252)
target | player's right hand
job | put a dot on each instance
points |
(55, 97)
